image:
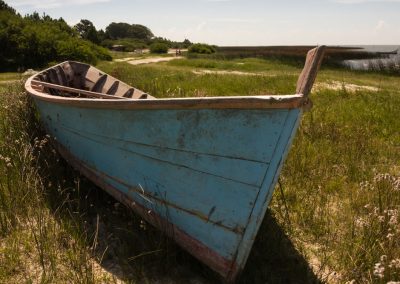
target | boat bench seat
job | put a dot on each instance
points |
(74, 76)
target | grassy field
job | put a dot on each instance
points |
(334, 216)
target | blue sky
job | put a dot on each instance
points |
(240, 22)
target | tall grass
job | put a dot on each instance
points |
(339, 211)
(272, 67)
(167, 81)
(349, 139)
(57, 227)
(342, 180)
(35, 235)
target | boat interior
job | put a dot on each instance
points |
(75, 79)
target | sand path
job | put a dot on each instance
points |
(336, 85)
(133, 61)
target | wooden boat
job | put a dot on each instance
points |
(201, 169)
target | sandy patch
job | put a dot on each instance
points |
(152, 60)
(319, 266)
(337, 85)
(107, 275)
(124, 59)
(173, 50)
(224, 72)
(227, 72)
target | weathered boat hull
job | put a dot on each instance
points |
(204, 174)
(163, 161)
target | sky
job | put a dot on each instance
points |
(239, 22)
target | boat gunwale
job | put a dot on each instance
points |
(222, 102)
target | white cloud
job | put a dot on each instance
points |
(51, 3)
(201, 26)
(379, 26)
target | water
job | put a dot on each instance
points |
(380, 48)
(381, 62)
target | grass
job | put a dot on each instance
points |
(123, 54)
(8, 78)
(34, 244)
(136, 55)
(337, 221)
(56, 227)
(162, 80)
(245, 65)
(342, 176)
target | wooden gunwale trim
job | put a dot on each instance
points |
(231, 102)
(242, 102)
(206, 103)
(211, 258)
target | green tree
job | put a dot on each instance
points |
(201, 48)
(117, 30)
(87, 31)
(186, 43)
(10, 28)
(158, 47)
(5, 7)
(140, 32)
(102, 35)
(34, 41)
(124, 30)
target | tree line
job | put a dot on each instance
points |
(35, 40)
(113, 31)
(129, 36)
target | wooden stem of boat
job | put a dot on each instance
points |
(309, 73)
(73, 90)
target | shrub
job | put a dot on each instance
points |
(129, 44)
(158, 47)
(34, 41)
(202, 48)
(101, 52)
(75, 49)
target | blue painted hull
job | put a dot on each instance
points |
(207, 174)
(201, 169)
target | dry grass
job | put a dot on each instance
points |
(339, 214)
(39, 243)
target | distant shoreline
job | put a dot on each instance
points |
(367, 48)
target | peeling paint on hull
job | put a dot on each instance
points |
(205, 176)
(218, 263)
(201, 169)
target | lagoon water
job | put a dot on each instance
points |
(389, 60)
(380, 48)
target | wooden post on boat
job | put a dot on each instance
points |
(309, 73)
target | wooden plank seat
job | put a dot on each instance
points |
(61, 75)
(74, 79)
(129, 93)
(113, 89)
(99, 84)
